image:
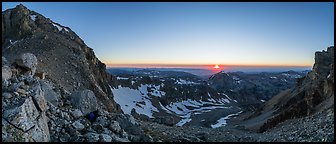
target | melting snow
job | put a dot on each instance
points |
(222, 121)
(127, 99)
(66, 29)
(164, 108)
(155, 90)
(292, 75)
(181, 82)
(183, 121)
(58, 27)
(12, 42)
(179, 108)
(122, 78)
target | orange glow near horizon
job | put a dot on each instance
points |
(208, 66)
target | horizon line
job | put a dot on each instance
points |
(197, 65)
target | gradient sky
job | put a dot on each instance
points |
(197, 33)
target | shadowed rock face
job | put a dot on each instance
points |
(312, 93)
(62, 55)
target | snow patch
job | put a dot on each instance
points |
(222, 121)
(12, 43)
(183, 121)
(58, 27)
(165, 109)
(122, 78)
(128, 98)
(155, 90)
(33, 17)
(182, 82)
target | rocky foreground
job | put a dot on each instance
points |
(36, 110)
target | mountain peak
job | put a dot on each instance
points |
(21, 7)
(62, 54)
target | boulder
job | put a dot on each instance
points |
(40, 133)
(98, 128)
(84, 100)
(38, 97)
(77, 113)
(78, 126)
(65, 137)
(92, 137)
(114, 126)
(7, 95)
(6, 73)
(21, 91)
(115, 138)
(103, 121)
(23, 115)
(25, 124)
(27, 61)
(49, 94)
(128, 123)
(105, 138)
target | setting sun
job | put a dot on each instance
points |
(216, 67)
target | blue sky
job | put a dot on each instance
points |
(197, 33)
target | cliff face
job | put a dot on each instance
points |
(313, 93)
(63, 56)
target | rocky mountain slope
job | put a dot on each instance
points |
(252, 90)
(312, 93)
(38, 110)
(62, 55)
(54, 88)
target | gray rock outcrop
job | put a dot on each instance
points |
(84, 100)
(27, 61)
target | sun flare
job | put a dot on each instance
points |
(216, 67)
